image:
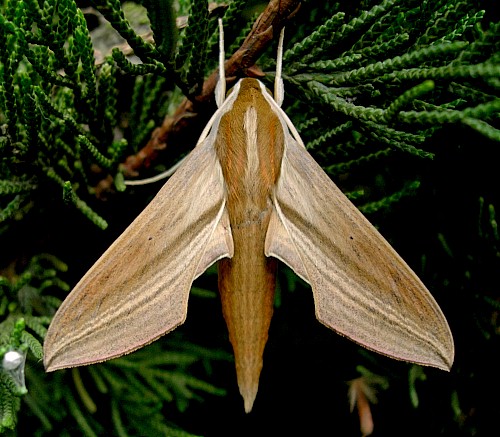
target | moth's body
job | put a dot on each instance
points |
(250, 149)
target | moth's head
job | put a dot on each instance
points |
(249, 85)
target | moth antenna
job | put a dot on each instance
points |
(279, 88)
(220, 88)
(220, 94)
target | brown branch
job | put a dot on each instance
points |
(185, 119)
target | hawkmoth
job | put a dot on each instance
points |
(249, 194)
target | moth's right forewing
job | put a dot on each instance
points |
(138, 290)
(362, 288)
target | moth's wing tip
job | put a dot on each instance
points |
(52, 367)
(446, 367)
(47, 365)
(440, 362)
(441, 355)
(447, 358)
(444, 349)
(50, 363)
(59, 355)
(53, 362)
(56, 362)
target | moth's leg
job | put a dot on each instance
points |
(220, 88)
(158, 177)
(279, 89)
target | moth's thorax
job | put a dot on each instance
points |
(249, 145)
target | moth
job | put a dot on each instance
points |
(249, 194)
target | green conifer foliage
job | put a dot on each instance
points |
(398, 100)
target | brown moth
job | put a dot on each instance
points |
(248, 195)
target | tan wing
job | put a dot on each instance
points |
(362, 288)
(138, 290)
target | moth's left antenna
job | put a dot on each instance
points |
(279, 88)
(220, 94)
(220, 88)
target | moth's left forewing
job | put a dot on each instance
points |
(138, 289)
(362, 288)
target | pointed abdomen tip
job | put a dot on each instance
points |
(249, 398)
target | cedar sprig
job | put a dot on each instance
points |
(113, 12)
(387, 202)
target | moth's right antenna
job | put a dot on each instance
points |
(279, 88)
(220, 88)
